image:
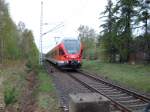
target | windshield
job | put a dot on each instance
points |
(72, 46)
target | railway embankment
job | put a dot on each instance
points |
(12, 83)
(135, 77)
(46, 97)
(26, 90)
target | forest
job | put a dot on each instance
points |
(16, 41)
(125, 34)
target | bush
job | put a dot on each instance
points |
(10, 95)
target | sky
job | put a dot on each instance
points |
(70, 13)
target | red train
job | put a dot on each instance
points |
(67, 54)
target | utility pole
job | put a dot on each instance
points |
(42, 34)
(41, 29)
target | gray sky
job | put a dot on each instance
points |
(72, 13)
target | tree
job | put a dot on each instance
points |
(8, 34)
(127, 9)
(87, 36)
(144, 18)
(2, 10)
(118, 28)
(144, 15)
(109, 32)
(15, 42)
(28, 47)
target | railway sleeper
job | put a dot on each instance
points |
(137, 101)
(99, 85)
(118, 95)
(128, 103)
(111, 90)
(112, 93)
(138, 110)
(106, 88)
(124, 98)
(137, 106)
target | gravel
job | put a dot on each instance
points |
(65, 85)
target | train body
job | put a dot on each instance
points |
(67, 54)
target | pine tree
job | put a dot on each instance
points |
(109, 32)
(127, 12)
(144, 18)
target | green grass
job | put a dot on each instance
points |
(13, 76)
(136, 76)
(45, 83)
(10, 96)
(47, 99)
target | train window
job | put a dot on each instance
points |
(61, 52)
(72, 46)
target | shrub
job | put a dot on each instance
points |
(10, 95)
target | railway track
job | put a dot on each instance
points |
(122, 100)
(64, 85)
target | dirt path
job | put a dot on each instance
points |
(28, 102)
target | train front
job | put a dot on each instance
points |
(73, 53)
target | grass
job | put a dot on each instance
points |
(135, 76)
(10, 96)
(45, 83)
(13, 74)
(47, 100)
(13, 81)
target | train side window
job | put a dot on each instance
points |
(61, 52)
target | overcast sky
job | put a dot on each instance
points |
(72, 13)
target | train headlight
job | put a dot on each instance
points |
(79, 56)
(66, 56)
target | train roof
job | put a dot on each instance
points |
(70, 38)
